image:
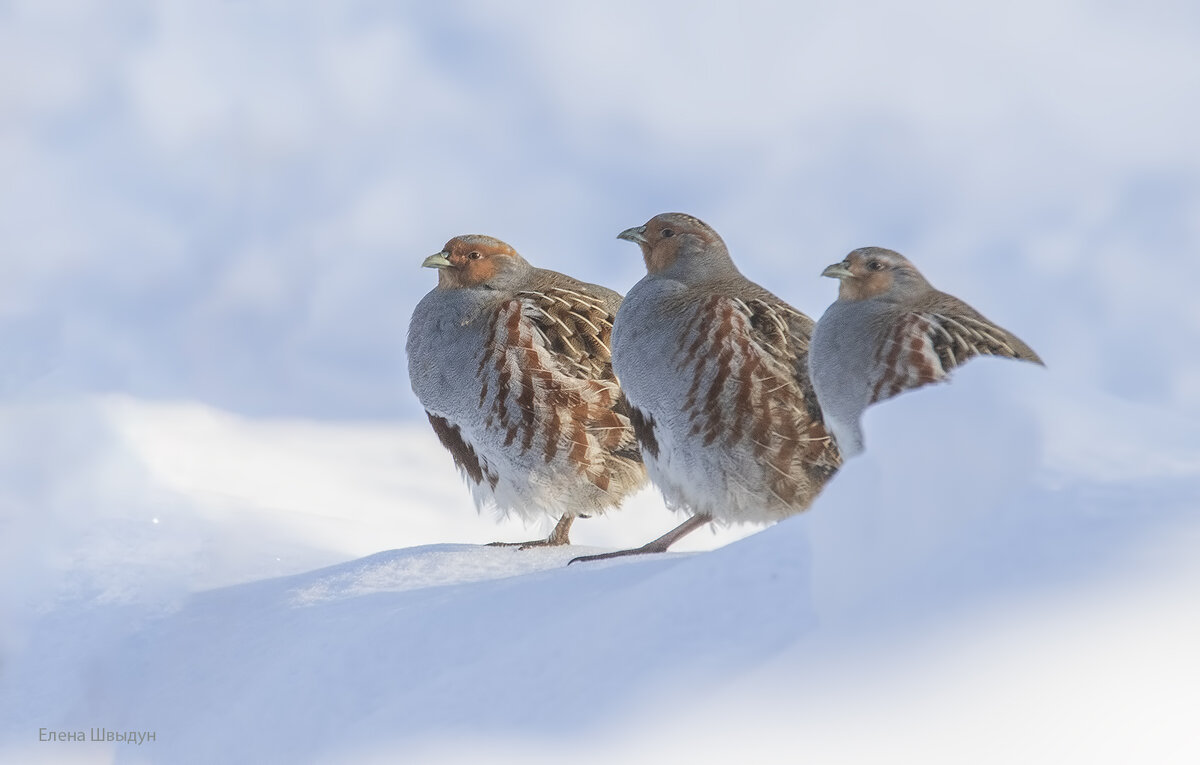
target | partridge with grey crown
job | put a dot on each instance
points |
(890, 331)
(512, 364)
(715, 370)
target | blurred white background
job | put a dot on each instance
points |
(227, 202)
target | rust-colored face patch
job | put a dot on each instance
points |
(869, 272)
(665, 236)
(474, 259)
(870, 275)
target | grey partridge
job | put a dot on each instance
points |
(891, 331)
(715, 371)
(513, 366)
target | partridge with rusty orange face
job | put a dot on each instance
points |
(891, 331)
(513, 366)
(715, 370)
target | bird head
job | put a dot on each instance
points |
(874, 271)
(679, 243)
(474, 260)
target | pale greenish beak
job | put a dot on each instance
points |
(837, 271)
(436, 260)
(637, 234)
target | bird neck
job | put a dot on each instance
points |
(701, 267)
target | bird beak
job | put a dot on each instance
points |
(437, 260)
(637, 235)
(837, 271)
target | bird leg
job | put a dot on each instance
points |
(556, 538)
(657, 546)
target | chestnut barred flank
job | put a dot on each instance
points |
(741, 357)
(464, 456)
(643, 426)
(547, 383)
(924, 348)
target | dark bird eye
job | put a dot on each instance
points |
(667, 232)
(875, 265)
(474, 255)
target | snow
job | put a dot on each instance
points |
(990, 582)
(224, 520)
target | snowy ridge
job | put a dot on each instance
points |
(983, 549)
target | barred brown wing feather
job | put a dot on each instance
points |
(786, 334)
(923, 348)
(743, 359)
(548, 387)
(962, 337)
(577, 328)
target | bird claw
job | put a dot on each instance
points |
(617, 554)
(526, 545)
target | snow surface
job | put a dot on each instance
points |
(213, 216)
(1008, 574)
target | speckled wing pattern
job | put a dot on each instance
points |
(924, 347)
(750, 389)
(548, 384)
(577, 327)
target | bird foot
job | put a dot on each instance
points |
(657, 546)
(643, 550)
(560, 536)
(529, 544)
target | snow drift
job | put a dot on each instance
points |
(1005, 573)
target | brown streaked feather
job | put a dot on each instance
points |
(555, 389)
(578, 328)
(991, 338)
(785, 334)
(924, 347)
(463, 454)
(747, 362)
(643, 427)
